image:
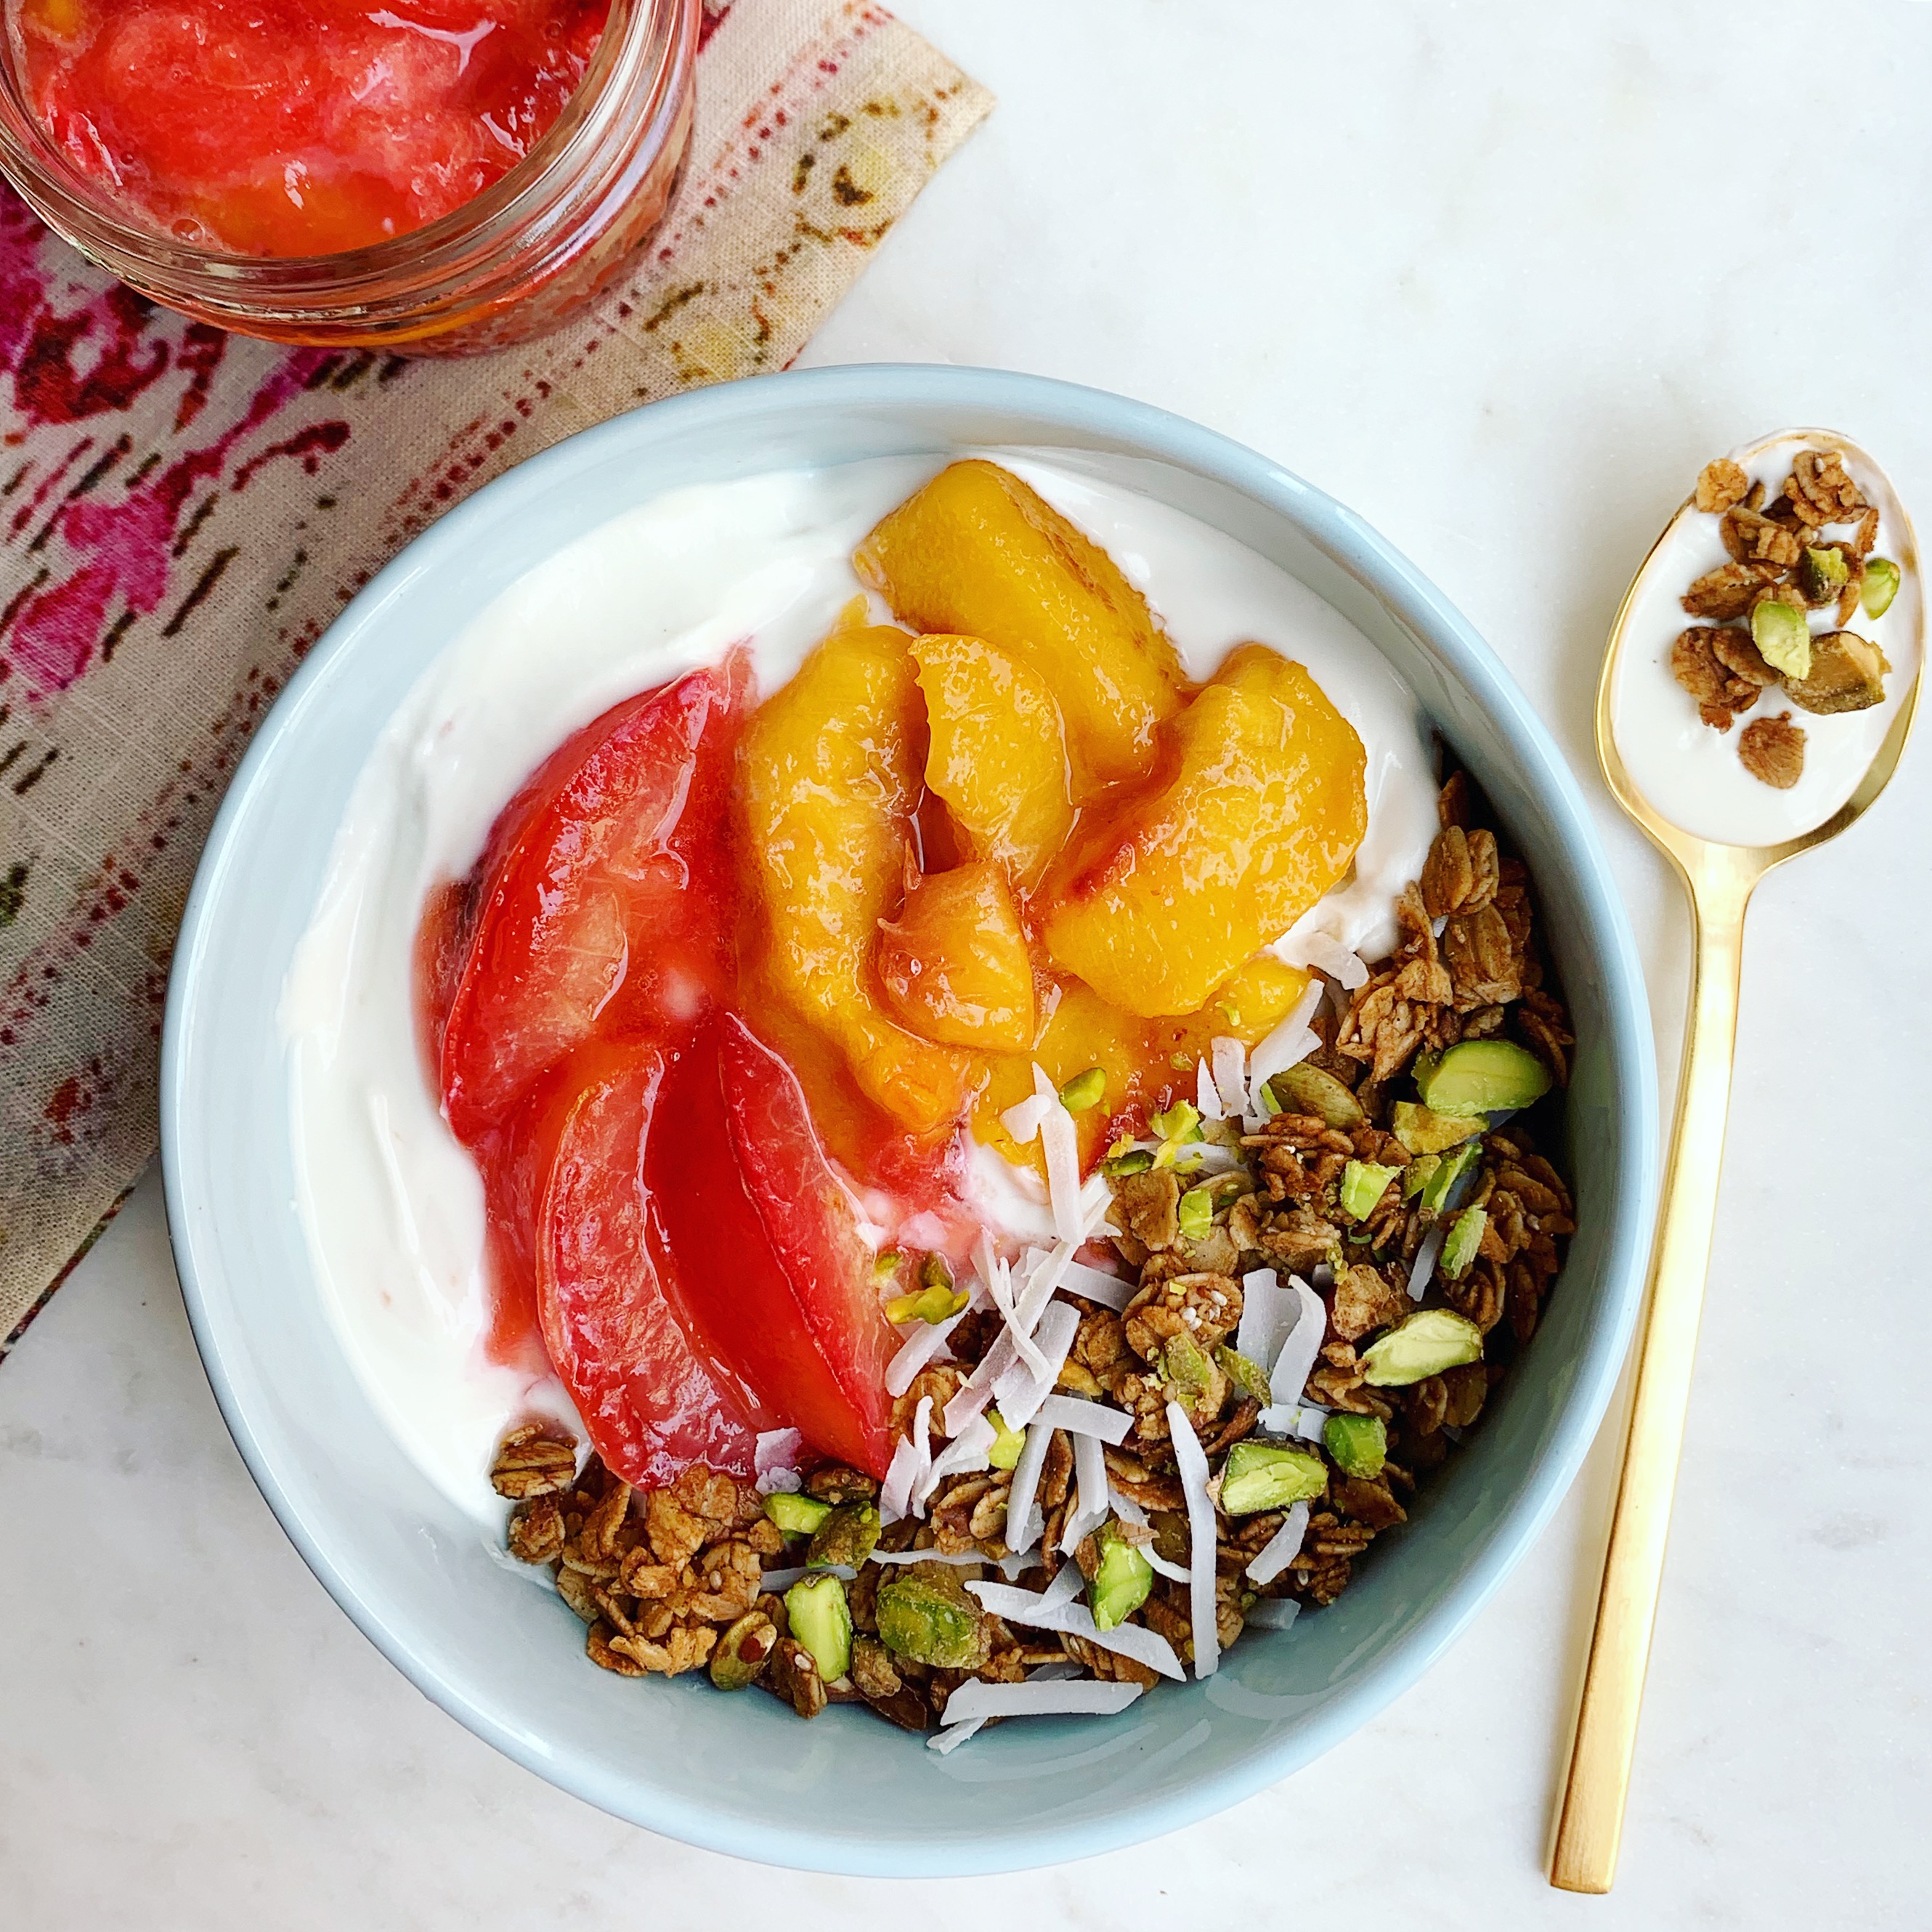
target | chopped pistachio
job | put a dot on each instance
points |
(1880, 586)
(1847, 674)
(1266, 1104)
(821, 1620)
(1180, 1062)
(1823, 573)
(1135, 1160)
(935, 1271)
(1425, 1344)
(1483, 1076)
(1359, 1444)
(1007, 1443)
(1180, 1122)
(1783, 638)
(1422, 1130)
(1449, 1168)
(743, 1651)
(1230, 1012)
(885, 1265)
(1415, 1175)
(924, 1614)
(1197, 1212)
(848, 1536)
(1465, 1237)
(1189, 1372)
(1121, 1582)
(1248, 1377)
(1304, 1089)
(1083, 1091)
(796, 1515)
(1363, 1184)
(930, 1304)
(1261, 1476)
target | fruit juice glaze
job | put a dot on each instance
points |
(287, 128)
(393, 1203)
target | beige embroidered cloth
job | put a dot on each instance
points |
(182, 513)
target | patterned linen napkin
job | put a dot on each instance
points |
(183, 512)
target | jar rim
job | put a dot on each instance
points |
(633, 76)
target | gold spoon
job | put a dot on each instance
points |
(1721, 878)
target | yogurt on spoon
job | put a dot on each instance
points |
(1693, 774)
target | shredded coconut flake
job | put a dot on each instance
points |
(1060, 1140)
(1019, 1392)
(1096, 1285)
(1296, 1359)
(922, 1444)
(1273, 1613)
(1290, 1043)
(966, 1453)
(1422, 1271)
(896, 1492)
(959, 1557)
(926, 1340)
(1135, 1640)
(1044, 1612)
(1022, 1119)
(1038, 1698)
(1044, 1268)
(778, 1581)
(1304, 1419)
(1023, 1527)
(1023, 1345)
(1089, 1471)
(1078, 1417)
(1267, 1313)
(1191, 1462)
(1207, 1095)
(1231, 1076)
(1281, 1548)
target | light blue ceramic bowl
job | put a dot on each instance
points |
(741, 1774)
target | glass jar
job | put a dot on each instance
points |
(526, 253)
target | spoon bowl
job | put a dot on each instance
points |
(1720, 876)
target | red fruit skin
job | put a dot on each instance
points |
(602, 903)
(768, 1240)
(615, 1317)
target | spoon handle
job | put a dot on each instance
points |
(1591, 1823)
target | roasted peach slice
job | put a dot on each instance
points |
(1084, 1032)
(830, 768)
(977, 552)
(998, 752)
(1257, 814)
(954, 965)
(1247, 1006)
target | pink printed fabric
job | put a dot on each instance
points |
(183, 512)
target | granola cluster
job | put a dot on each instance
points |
(1755, 633)
(673, 1580)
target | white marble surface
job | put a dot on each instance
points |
(1500, 276)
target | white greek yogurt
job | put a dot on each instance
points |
(390, 1203)
(1691, 774)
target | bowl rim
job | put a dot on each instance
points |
(1056, 407)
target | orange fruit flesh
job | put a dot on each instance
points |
(1098, 860)
(978, 552)
(830, 771)
(1175, 885)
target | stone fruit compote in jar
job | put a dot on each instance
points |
(338, 172)
(749, 984)
(300, 126)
